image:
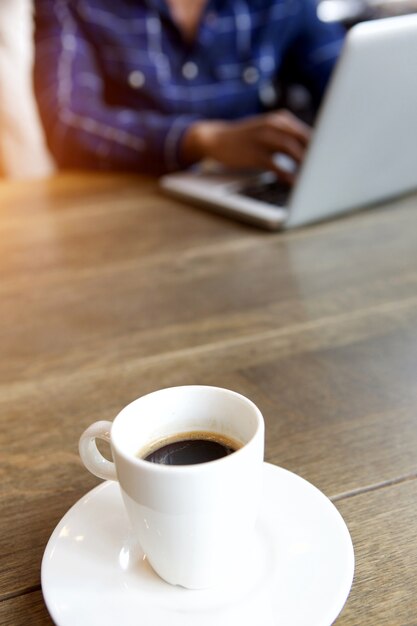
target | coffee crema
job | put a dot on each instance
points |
(190, 448)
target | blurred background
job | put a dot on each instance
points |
(23, 150)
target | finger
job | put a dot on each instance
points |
(285, 163)
(286, 122)
(267, 162)
(285, 176)
(278, 142)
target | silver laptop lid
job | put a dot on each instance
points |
(364, 147)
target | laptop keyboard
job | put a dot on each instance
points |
(274, 192)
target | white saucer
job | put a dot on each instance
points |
(299, 566)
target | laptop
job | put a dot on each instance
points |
(364, 145)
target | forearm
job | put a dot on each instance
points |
(110, 138)
(316, 50)
(201, 140)
(250, 143)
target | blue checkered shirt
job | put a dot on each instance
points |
(117, 85)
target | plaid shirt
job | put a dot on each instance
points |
(117, 86)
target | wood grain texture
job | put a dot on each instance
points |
(384, 532)
(24, 610)
(109, 290)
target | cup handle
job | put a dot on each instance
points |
(89, 453)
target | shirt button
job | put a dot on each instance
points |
(268, 94)
(189, 70)
(136, 79)
(250, 75)
(70, 42)
(211, 18)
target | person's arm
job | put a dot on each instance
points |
(314, 50)
(254, 142)
(82, 130)
(249, 143)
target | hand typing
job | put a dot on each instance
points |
(249, 143)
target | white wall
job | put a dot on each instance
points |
(22, 147)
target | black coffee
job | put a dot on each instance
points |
(190, 448)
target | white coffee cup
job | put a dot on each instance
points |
(192, 521)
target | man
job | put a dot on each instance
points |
(156, 85)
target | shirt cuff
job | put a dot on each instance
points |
(173, 139)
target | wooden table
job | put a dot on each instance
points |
(109, 291)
